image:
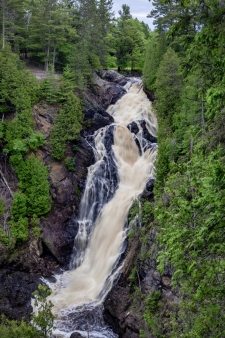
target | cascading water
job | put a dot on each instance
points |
(123, 164)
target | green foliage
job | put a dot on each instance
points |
(32, 199)
(19, 229)
(19, 91)
(152, 305)
(36, 140)
(36, 232)
(68, 124)
(130, 46)
(70, 163)
(168, 86)
(134, 210)
(33, 183)
(50, 90)
(133, 274)
(152, 301)
(2, 206)
(189, 188)
(45, 318)
(13, 328)
(19, 206)
(155, 51)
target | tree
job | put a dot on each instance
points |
(130, 40)
(44, 319)
(155, 51)
(105, 15)
(14, 22)
(125, 13)
(67, 125)
(48, 26)
(168, 85)
(165, 14)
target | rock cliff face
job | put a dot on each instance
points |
(59, 228)
(20, 271)
(124, 306)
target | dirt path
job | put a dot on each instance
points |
(40, 73)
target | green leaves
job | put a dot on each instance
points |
(67, 125)
(191, 231)
(13, 328)
(32, 199)
(45, 318)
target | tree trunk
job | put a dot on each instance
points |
(6, 183)
(47, 56)
(54, 55)
(3, 24)
(203, 117)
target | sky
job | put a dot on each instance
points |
(138, 8)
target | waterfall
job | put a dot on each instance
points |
(124, 162)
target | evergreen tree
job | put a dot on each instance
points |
(130, 40)
(155, 51)
(105, 15)
(48, 26)
(168, 85)
(14, 20)
(165, 14)
(125, 13)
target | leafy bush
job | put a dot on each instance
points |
(36, 140)
(19, 229)
(19, 206)
(13, 328)
(2, 206)
(50, 90)
(69, 163)
(33, 183)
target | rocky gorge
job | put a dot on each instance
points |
(20, 273)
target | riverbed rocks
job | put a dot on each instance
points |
(113, 77)
(76, 335)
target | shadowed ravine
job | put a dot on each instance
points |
(118, 176)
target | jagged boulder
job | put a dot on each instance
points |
(15, 293)
(113, 76)
(76, 335)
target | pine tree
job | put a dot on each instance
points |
(156, 50)
(48, 26)
(165, 14)
(14, 22)
(168, 85)
(130, 40)
(105, 15)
